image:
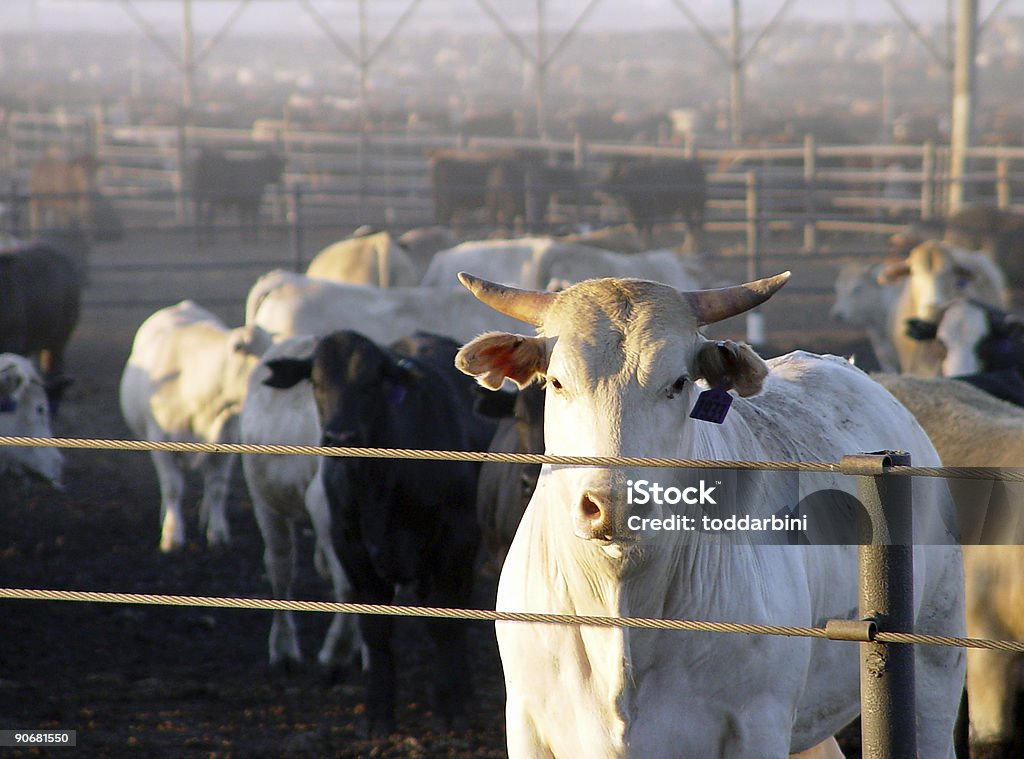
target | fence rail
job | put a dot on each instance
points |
(383, 178)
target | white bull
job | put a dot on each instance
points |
(286, 304)
(622, 360)
(286, 491)
(373, 259)
(932, 277)
(558, 266)
(185, 381)
(498, 260)
(25, 412)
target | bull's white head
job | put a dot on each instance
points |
(934, 276)
(620, 357)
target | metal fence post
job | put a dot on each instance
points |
(886, 580)
(810, 192)
(296, 228)
(755, 319)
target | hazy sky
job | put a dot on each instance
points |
(287, 16)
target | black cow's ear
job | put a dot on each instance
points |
(288, 372)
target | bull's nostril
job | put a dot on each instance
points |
(589, 508)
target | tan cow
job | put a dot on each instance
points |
(62, 191)
(972, 428)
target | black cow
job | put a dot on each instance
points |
(459, 182)
(439, 352)
(656, 191)
(222, 181)
(507, 187)
(396, 522)
(40, 297)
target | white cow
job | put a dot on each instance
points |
(373, 259)
(25, 412)
(555, 267)
(971, 428)
(932, 277)
(286, 491)
(498, 260)
(624, 364)
(185, 381)
(284, 304)
(862, 301)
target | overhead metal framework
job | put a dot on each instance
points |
(963, 30)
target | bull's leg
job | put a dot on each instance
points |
(452, 682)
(521, 734)
(992, 688)
(172, 489)
(279, 559)
(380, 670)
(216, 470)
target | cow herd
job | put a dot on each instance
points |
(538, 344)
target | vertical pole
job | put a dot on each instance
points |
(542, 73)
(296, 228)
(1003, 182)
(928, 180)
(963, 101)
(736, 76)
(755, 319)
(188, 92)
(810, 199)
(364, 117)
(886, 579)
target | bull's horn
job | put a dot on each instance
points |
(528, 306)
(710, 306)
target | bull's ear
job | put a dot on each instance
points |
(496, 355)
(288, 372)
(892, 273)
(732, 366)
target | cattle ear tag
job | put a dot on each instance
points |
(712, 405)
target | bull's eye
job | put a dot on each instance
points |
(555, 384)
(676, 387)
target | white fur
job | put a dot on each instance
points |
(185, 381)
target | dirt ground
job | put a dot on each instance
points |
(182, 682)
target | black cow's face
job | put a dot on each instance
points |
(355, 382)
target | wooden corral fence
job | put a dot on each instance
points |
(383, 179)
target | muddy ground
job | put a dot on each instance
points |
(183, 682)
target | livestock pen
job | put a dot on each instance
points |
(193, 681)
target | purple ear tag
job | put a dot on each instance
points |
(8, 405)
(397, 395)
(712, 405)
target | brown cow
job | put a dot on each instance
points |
(62, 191)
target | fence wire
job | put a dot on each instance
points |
(483, 614)
(977, 473)
(487, 615)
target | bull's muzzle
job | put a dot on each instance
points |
(595, 516)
